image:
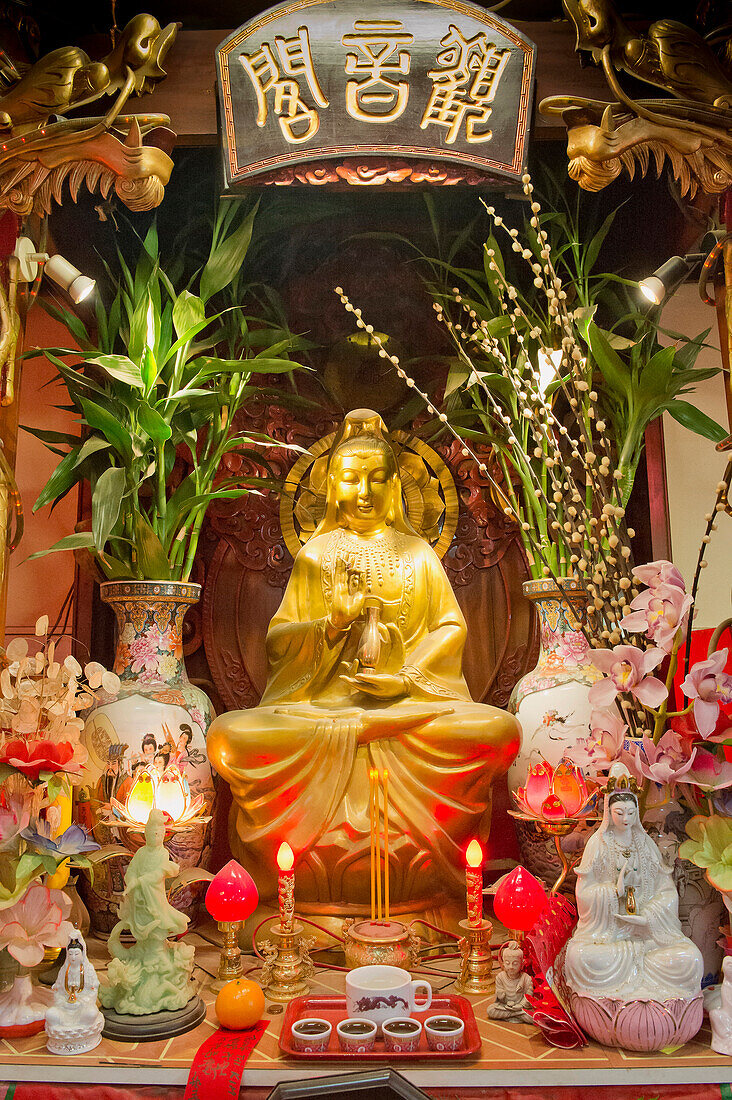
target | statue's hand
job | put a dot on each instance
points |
(383, 685)
(636, 919)
(349, 592)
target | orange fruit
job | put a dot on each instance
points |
(240, 1004)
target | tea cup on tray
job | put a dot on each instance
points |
(383, 993)
(444, 1032)
(311, 1035)
(356, 1035)
(402, 1035)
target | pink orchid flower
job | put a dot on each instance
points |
(666, 763)
(659, 572)
(34, 923)
(709, 772)
(659, 613)
(12, 822)
(708, 685)
(626, 669)
(607, 735)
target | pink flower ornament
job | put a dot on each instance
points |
(626, 669)
(659, 613)
(34, 923)
(666, 763)
(708, 685)
(709, 772)
(659, 572)
(607, 735)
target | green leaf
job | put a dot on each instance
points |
(148, 369)
(108, 424)
(611, 366)
(60, 481)
(188, 310)
(91, 446)
(80, 540)
(697, 421)
(227, 257)
(154, 424)
(151, 557)
(47, 436)
(106, 504)
(120, 367)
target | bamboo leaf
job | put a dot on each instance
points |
(227, 257)
(60, 481)
(154, 424)
(120, 367)
(697, 421)
(188, 310)
(106, 504)
(151, 557)
(80, 540)
(105, 422)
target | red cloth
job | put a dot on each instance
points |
(219, 1063)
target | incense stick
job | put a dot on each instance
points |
(378, 845)
(372, 800)
(386, 844)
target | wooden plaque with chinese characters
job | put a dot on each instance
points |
(347, 91)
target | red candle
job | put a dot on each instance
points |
(286, 886)
(474, 880)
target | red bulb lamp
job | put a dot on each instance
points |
(519, 900)
(231, 898)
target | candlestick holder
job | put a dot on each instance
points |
(476, 967)
(231, 964)
(287, 965)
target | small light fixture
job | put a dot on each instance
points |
(63, 273)
(667, 278)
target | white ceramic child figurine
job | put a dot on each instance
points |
(73, 1022)
(513, 986)
(721, 1017)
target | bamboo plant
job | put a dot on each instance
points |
(157, 397)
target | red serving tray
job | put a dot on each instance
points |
(333, 1009)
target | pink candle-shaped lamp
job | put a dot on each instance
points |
(474, 879)
(286, 886)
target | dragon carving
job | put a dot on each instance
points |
(690, 129)
(41, 148)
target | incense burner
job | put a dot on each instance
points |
(372, 942)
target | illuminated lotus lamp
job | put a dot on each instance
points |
(169, 793)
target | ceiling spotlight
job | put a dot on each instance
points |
(667, 278)
(64, 274)
(69, 278)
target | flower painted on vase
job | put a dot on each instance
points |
(659, 613)
(709, 686)
(627, 669)
(168, 665)
(37, 921)
(143, 654)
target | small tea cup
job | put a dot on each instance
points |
(311, 1035)
(401, 1035)
(444, 1032)
(356, 1035)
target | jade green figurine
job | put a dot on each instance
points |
(154, 975)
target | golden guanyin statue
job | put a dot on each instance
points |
(365, 657)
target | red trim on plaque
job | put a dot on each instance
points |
(219, 1063)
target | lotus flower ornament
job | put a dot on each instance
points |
(169, 793)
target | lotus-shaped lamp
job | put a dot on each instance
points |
(556, 794)
(168, 792)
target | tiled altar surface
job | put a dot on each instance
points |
(512, 1054)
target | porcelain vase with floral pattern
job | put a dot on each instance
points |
(153, 730)
(552, 706)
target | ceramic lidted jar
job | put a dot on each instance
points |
(551, 703)
(157, 722)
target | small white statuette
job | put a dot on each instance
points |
(73, 1022)
(721, 1017)
(513, 986)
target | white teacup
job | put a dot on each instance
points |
(382, 993)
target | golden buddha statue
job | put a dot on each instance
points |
(365, 672)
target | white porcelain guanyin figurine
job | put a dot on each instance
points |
(73, 1022)
(720, 1017)
(513, 986)
(632, 977)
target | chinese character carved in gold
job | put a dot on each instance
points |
(298, 121)
(465, 85)
(377, 96)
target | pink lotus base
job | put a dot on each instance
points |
(637, 1025)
